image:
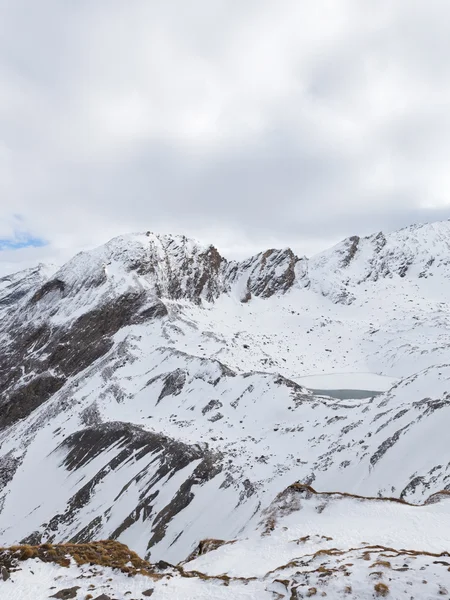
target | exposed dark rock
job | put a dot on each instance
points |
(173, 384)
(206, 546)
(205, 471)
(65, 351)
(196, 276)
(403, 269)
(91, 415)
(27, 398)
(270, 272)
(162, 565)
(23, 341)
(247, 296)
(4, 573)
(55, 285)
(157, 311)
(216, 417)
(89, 337)
(34, 539)
(380, 242)
(15, 287)
(8, 467)
(67, 593)
(206, 283)
(13, 297)
(91, 530)
(212, 404)
(386, 445)
(351, 250)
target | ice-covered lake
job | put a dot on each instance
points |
(345, 386)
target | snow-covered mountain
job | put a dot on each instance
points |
(153, 392)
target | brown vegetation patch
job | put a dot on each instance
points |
(107, 553)
(307, 488)
(436, 497)
(366, 551)
(381, 563)
(381, 589)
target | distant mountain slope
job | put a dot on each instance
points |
(418, 251)
(18, 285)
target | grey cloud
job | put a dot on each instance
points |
(249, 124)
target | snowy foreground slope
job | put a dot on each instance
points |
(306, 544)
(155, 393)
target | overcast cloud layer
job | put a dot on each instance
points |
(247, 123)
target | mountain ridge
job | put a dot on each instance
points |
(265, 273)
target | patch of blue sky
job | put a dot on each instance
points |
(22, 240)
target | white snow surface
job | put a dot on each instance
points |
(226, 373)
(306, 545)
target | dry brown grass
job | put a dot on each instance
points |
(304, 539)
(107, 553)
(307, 488)
(270, 526)
(381, 589)
(381, 563)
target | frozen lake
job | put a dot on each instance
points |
(345, 386)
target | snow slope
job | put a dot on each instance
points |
(153, 392)
(306, 544)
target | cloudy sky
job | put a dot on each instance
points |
(248, 123)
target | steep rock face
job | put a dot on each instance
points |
(266, 274)
(171, 267)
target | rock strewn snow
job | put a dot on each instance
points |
(167, 338)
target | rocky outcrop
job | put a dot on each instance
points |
(54, 285)
(264, 275)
